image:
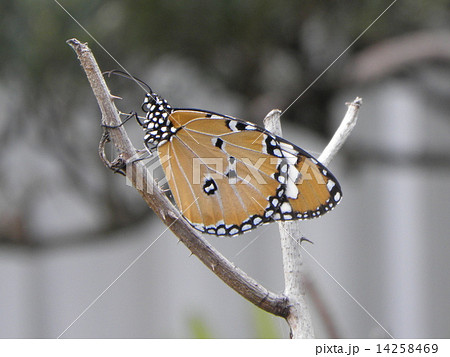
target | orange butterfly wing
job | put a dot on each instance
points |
(228, 176)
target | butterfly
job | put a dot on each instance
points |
(229, 176)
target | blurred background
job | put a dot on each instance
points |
(69, 226)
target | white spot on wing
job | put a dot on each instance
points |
(285, 207)
(277, 152)
(291, 190)
(337, 196)
(291, 187)
(330, 185)
(293, 174)
(291, 159)
(246, 227)
(257, 220)
(232, 125)
(285, 146)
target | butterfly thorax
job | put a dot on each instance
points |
(157, 125)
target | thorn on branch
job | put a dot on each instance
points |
(306, 240)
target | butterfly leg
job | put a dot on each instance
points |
(128, 117)
(119, 164)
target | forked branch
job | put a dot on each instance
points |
(142, 180)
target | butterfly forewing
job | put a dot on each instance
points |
(216, 192)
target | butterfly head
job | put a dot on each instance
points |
(154, 102)
(157, 124)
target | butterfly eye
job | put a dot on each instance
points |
(152, 101)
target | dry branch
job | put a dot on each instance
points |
(160, 204)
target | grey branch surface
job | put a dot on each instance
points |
(299, 317)
(160, 204)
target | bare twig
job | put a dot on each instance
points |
(299, 318)
(342, 133)
(155, 198)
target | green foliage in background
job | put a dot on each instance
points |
(199, 328)
(265, 324)
(262, 324)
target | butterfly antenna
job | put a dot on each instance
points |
(129, 76)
